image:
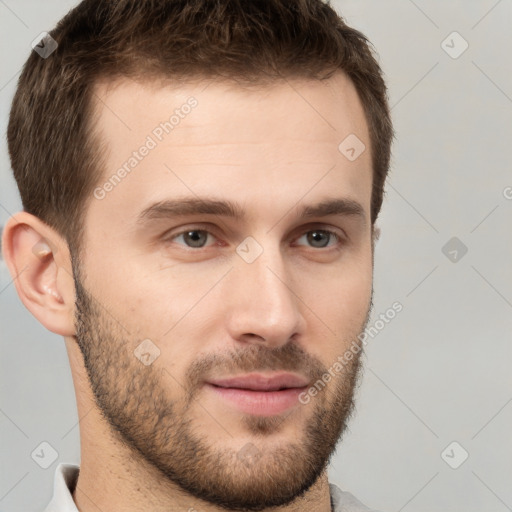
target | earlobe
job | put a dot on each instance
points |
(39, 263)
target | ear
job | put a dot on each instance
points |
(39, 262)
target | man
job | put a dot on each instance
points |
(200, 182)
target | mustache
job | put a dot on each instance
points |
(254, 358)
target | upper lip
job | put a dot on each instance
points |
(260, 382)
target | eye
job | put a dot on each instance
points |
(193, 238)
(319, 238)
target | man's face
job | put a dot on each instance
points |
(168, 301)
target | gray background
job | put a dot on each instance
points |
(440, 371)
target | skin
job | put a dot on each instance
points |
(152, 436)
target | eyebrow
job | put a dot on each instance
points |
(192, 206)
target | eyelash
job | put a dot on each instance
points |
(329, 232)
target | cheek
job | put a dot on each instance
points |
(342, 289)
(343, 308)
(172, 312)
(340, 300)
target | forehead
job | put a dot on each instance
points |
(126, 107)
(217, 138)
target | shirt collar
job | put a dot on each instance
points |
(63, 486)
(66, 476)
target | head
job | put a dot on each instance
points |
(200, 183)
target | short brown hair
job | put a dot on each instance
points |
(55, 154)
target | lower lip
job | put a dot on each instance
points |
(262, 403)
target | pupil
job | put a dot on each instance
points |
(196, 236)
(316, 236)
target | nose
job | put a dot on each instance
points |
(263, 302)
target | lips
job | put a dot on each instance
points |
(260, 382)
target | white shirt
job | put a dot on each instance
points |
(66, 476)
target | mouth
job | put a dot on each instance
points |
(261, 382)
(259, 394)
